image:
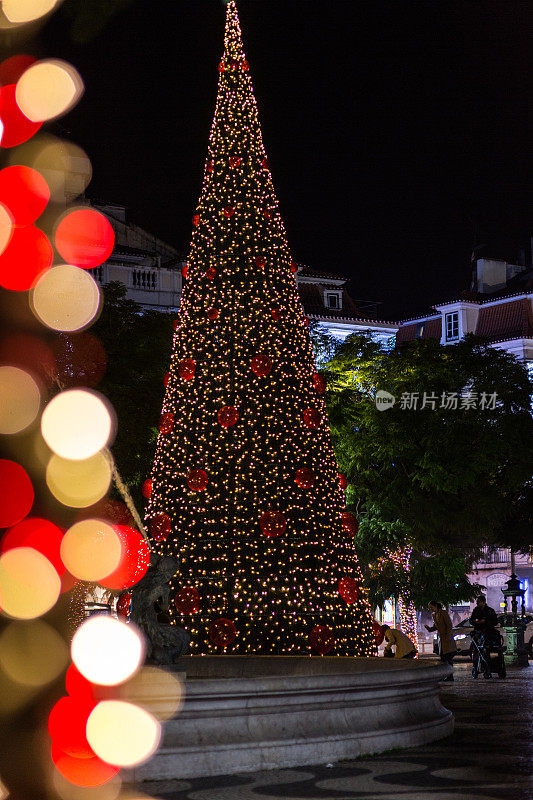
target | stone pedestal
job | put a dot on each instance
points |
(247, 713)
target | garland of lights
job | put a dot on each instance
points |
(244, 489)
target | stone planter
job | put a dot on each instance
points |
(247, 713)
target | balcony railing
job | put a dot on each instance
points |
(490, 556)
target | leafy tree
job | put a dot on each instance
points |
(442, 479)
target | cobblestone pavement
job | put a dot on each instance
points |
(488, 757)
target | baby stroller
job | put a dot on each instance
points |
(486, 653)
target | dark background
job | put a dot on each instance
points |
(398, 131)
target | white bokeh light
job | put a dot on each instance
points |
(122, 733)
(107, 651)
(76, 424)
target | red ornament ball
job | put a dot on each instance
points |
(261, 365)
(294, 267)
(229, 211)
(304, 477)
(234, 162)
(379, 633)
(312, 418)
(305, 322)
(210, 166)
(184, 271)
(210, 273)
(160, 527)
(267, 213)
(260, 261)
(212, 313)
(343, 481)
(124, 605)
(186, 369)
(349, 523)
(147, 487)
(197, 480)
(322, 639)
(245, 65)
(166, 422)
(272, 524)
(175, 324)
(276, 314)
(264, 163)
(196, 220)
(319, 383)
(222, 632)
(348, 590)
(228, 416)
(187, 600)
(166, 380)
(222, 66)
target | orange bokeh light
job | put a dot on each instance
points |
(26, 257)
(89, 772)
(24, 192)
(85, 238)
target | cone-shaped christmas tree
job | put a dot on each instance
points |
(245, 490)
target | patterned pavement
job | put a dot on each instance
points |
(488, 757)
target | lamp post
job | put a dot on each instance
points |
(514, 624)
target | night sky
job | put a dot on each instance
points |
(398, 131)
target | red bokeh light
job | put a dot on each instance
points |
(88, 772)
(17, 127)
(187, 600)
(29, 353)
(160, 527)
(16, 493)
(348, 590)
(222, 632)
(24, 192)
(26, 257)
(304, 477)
(273, 523)
(41, 534)
(322, 639)
(79, 687)
(228, 416)
(134, 562)
(80, 359)
(85, 238)
(66, 725)
(12, 68)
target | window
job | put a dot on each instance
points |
(419, 331)
(452, 326)
(333, 300)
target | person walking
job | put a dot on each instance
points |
(443, 625)
(402, 644)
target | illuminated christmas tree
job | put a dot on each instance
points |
(244, 489)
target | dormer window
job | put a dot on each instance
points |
(332, 299)
(419, 330)
(452, 326)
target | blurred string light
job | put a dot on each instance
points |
(79, 484)
(29, 584)
(245, 488)
(22, 11)
(20, 400)
(66, 298)
(122, 733)
(32, 653)
(91, 550)
(76, 424)
(48, 89)
(107, 651)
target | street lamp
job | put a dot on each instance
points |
(514, 624)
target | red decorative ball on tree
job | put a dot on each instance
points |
(343, 481)
(184, 271)
(264, 163)
(197, 480)
(196, 220)
(379, 633)
(276, 314)
(210, 273)
(312, 418)
(348, 590)
(234, 162)
(166, 380)
(166, 422)
(267, 213)
(228, 416)
(212, 313)
(260, 261)
(222, 66)
(273, 523)
(124, 605)
(160, 527)
(261, 365)
(186, 369)
(229, 211)
(319, 382)
(245, 65)
(147, 488)
(187, 600)
(175, 324)
(210, 166)
(304, 477)
(222, 632)
(349, 522)
(322, 639)
(305, 322)
(294, 267)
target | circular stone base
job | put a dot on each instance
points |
(248, 713)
